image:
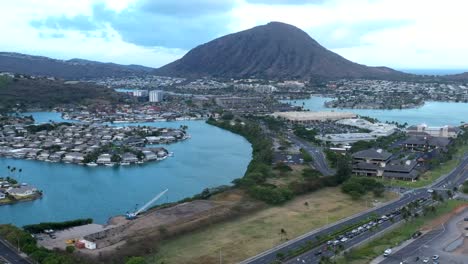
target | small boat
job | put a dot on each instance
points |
(170, 154)
(91, 164)
(109, 164)
(124, 163)
(140, 162)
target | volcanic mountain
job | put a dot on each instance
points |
(273, 51)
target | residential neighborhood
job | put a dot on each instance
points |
(89, 144)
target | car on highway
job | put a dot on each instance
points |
(417, 234)
(344, 239)
(387, 252)
(430, 190)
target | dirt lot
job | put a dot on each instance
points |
(71, 233)
(248, 235)
(159, 223)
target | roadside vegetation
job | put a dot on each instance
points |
(260, 169)
(465, 187)
(22, 239)
(307, 134)
(366, 253)
(357, 187)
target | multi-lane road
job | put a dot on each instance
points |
(9, 255)
(454, 178)
(319, 160)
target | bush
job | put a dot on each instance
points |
(38, 228)
(309, 174)
(271, 194)
(306, 156)
(282, 167)
(136, 260)
(70, 249)
(356, 187)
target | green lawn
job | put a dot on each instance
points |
(432, 175)
(376, 247)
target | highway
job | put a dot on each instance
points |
(10, 255)
(319, 159)
(454, 178)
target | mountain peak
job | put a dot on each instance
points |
(275, 50)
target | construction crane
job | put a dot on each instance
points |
(131, 216)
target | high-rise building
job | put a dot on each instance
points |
(156, 96)
(140, 93)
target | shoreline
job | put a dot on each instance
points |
(36, 196)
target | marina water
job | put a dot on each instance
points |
(212, 157)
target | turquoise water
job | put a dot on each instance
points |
(434, 71)
(46, 117)
(432, 113)
(212, 157)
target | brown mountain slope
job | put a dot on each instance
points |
(275, 50)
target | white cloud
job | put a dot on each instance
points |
(369, 31)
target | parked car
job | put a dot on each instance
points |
(435, 257)
(387, 252)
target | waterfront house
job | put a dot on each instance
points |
(74, 157)
(22, 191)
(57, 156)
(43, 155)
(149, 155)
(104, 159)
(129, 158)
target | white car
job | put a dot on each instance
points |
(426, 260)
(344, 239)
(387, 252)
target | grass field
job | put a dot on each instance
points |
(376, 247)
(246, 236)
(432, 175)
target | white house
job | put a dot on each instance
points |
(104, 159)
(88, 244)
(22, 191)
(74, 157)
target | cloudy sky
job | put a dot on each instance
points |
(402, 34)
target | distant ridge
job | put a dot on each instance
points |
(275, 50)
(74, 69)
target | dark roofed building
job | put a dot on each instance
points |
(379, 163)
(372, 156)
(425, 143)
